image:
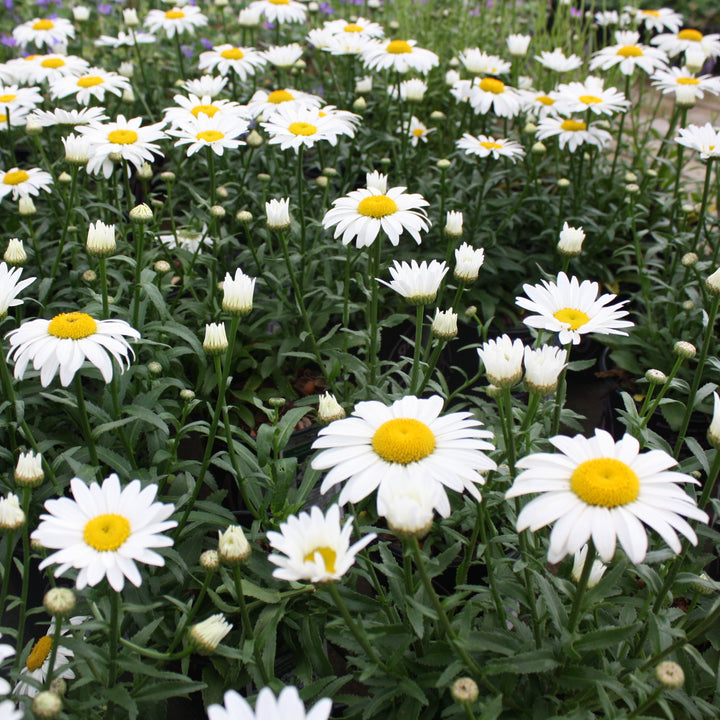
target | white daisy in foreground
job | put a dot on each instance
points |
(605, 490)
(628, 54)
(263, 103)
(23, 183)
(572, 133)
(191, 107)
(572, 309)
(104, 531)
(688, 41)
(363, 213)
(14, 97)
(705, 140)
(219, 133)
(92, 84)
(406, 439)
(243, 61)
(558, 61)
(590, 95)
(486, 146)
(65, 342)
(418, 284)
(502, 359)
(288, 705)
(38, 662)
(399, 55)
(177, 20)
(36, 68)
(281, 11)
(493, 94)
(687, 87)
(44, 31)
(315, 547)
(10, 287)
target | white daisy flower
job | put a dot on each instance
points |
(688, 41)
(478, 62)
(191, 107)
(572, 133)
(468, 262)
(605, 490)
(15, 98)
(417, 131)
(220, 132)
(344, 122)
(66, 341)
(518, 44)
(10, 287)
(283, 56)
(12, 117)
(238, 293)
(539, 103)
(288, 705)
(249, 17)
(281, 11)
(294, 126)
(491, 93)
(705, 140)
(38, 661)
(6, 651)
(628, 54)
(572, 309)
(44, 31)
(558, 61)
(188, 18)
(23, 183)
(407, 439)
(543, 367)
(413, 90)
(399, 55)
(263, 103)
(596, 571)
(104, 531)
(92, 84)
(70, 118)
(684, 83)
(363, 213)
(123, 39)
(606, 18)
(243, 61)
(503, 360)
(10, 711)
(657, 20)
(417, 283)
(315, 547)
(486, 146)
(185, 239)
(359, 26)
(578, 97)
(42, 68)
(409, 508)
(128, 139)
(340, 43)
(205, 85)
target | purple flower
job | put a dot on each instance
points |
(576, 12)
(325, 9)
(105, 9)
(8, 40)
(187, 50)
(207, 44)
(269, 25)
(8, 4)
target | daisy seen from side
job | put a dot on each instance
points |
(417, 131)
(478, 62)
(281, 11)
(226, 58)
(399, 55)
(705, 140)
(263, 103)
(572, 133)
(558, 61)
(688, 41)
(104, 531)
(187, 18)
(486, 146)
(684, 83)
(410, 437)
(597, 488)
(417, 282)
(219, 133)
(69, 118)
(10, 287)
(267, 707)
(24, 183)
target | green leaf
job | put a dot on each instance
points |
(527, 663)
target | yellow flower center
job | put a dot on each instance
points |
(398, 47)
(210, 135)
(377, 206)
(174, 14)
(302, 128)
(233, 54)
(279, 96)
(491, 145)
(497, 87)
(122, 137)
(545, 100)
(403, 441)
(606, 482)
(90, 81)
(52, 63)
(573, 125)
(328, 555)
(353, 27)
(694, 35)
(106, 532)
(418, 132)
(73, 325)
(15, 177)
(3, 117)
(209, 110)
(630, 51)
(575, 318)
(39, 654)
(43, 25)
(680, 81)
(279, 2)
(7, 98)
(650, 13)
(589, 99)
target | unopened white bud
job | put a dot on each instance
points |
(208, 634)
(141, 213)
(59, 602)
(46, 704)
(233, 547)
(254, 139)
(15, 254)
(101, 239)
(130, 17)
(444, 324)
(360, 104)
(571, 240)
(81, 13)
(278, 214)
(215, 342)
(329, 409)
(29, 470)
(670, 674)
(12, 516)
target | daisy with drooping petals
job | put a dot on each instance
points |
(243, 61)
(572, 133)
(417, 131)
(71, 118)
(605, 490)
(12, 117)
(340, 44)
(188, 18)
(123, 39)
(399, 55)
(478, 62)
(128, 139)
(44, 31)
(104, 531)
(578, 97)
(208, 85)
(685, 84)
(263, 103)
(288, 705)
(23, 183)
(558, 61)
(486, 146)
(38, 661)
(219, 133)
(628, 54)
(283, 56)
(660, 19)
(16, 98)
(572, 309)
(66, 341)
(412, 90)
(191, 107)
(10, 287)
(688, 41)
(543, 366)
(92, 84)
(359, 26)
(417, 283)
(363, 213)
(406, 439)
(705, 140)
(315, 547)
(281, 11)
(493, 94)
(294, 126)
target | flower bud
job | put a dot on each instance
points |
(454, 224)
(238, 293)
(215, 342)
(571, 240)
(670, 674)
(81, 13)
(130, 17)
(443, 164)
(278, 214)
(12, 516)
(437, 115)
(363, 85)
(468, 261)
(712, 283)
(538, 148)
(321, 181)
(59, 602)
(233, 547)
(167, 176)
(689, 259)
(563, 183)
(685, 349)
(101, 239)
(217, 211)
(26, 206)
(465, 690)
(530, 128)
(89, 276)
(243, 216)
(360, 104)
(33, 127)
(210, 560)
(329, 409)
(29, 471)
(126, 69)
(631, 177)
(46, 704)
(655, 377)
(205, 636)
(444, 325)
(187, 395)
(254, 139)
(15, 254)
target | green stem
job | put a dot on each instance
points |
(25, 574)
(581, 588)
(113, 641)
(102, 267)
(7, 568)
(248, 626)
(374, 267)
(419, 311)
(85, 422)
(53, 652)
(703, 208)
(710, 482)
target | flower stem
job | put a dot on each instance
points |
(85, 422)
(247, 624)
(53, 652)
(113, 641)
(581, 588)
(419, 310)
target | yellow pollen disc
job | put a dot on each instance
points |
(491, 145)
(174, 14)
(377, 206)
(352, 27)
(7, 98)
(322, 114)
(328, 555)
(630, 51)
(39, 654)
(15, 177)
(398, 47)
(123, 137)
(589, 99)
(573, 125)
(107, 532)
(302, 128)
(545, 100)
(403, 441)
(232, 54)
(497, 87)
(43, 25)
(650, 13)
(576, 318)
(694, 35)
(279, 96)
(52, 63)
(73, 325)
(418, 132)
(3, 117)
(279, 2)
(606, 482)
(90, 81)
(210, 135)
(680, 81)
(209, 110)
